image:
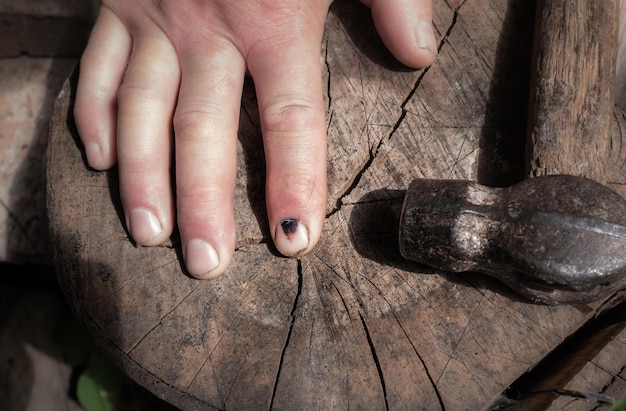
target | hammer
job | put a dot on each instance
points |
(558, 237)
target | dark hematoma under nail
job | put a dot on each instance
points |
(289, 225)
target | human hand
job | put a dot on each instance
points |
(166, 77)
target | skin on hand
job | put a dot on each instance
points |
(162, 81)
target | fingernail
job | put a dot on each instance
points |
(143, 225)
(291, 237)
(426, 36)
(200, 258)
(93, 153)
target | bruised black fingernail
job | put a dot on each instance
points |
(289, 226)
(291, 237)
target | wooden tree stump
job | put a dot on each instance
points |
(351, 325)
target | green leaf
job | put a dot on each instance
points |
(98, 387)
(619, 405)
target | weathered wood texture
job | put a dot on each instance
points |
(588, 367)
(601, 375)
(351, 325)
(572, 109)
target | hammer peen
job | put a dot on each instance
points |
(556, 238)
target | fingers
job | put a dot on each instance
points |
(205, 123)
(146, 100)
(102, 67)
(289, 91)
(405, 27)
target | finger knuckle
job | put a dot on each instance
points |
(133, 94)
(293, 116)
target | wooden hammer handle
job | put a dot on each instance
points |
(572, 104)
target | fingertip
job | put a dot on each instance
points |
(99, 155)
(145, 227)
(93, 154)
(295, 237)
(296, 206)
(426, 44)
(292, 238)
(95, 127)
(407, 30)
(101, 69)
(202, 260)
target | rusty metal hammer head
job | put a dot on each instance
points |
(554, 239)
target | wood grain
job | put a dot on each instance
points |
(572, 105)
(350, 325)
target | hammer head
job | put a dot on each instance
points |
(553, 239)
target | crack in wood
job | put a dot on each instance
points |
(374, 150)
(217, 381)
(614, 378)
(409, 96)
(426, 370)
(381, 377)
(589, 396)
(331, 115)
(600, 367)
(414, 290)
(209, 358)
(248, 241)
(139, 374)
(536, 388)
(343, 301)
(459, 158)
(368, 116)
(121, 286)
(378, 290)
(524, 320)
(470, 372)
(328, 81)
(357, 295)
(349, 283)
(488, 354)
(458, 342)
(353, 184)
(171, 387)
(455, 7)
(232, 385)
(289, 332)
(375, 201)
(163, 318)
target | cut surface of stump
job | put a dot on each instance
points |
(351, 325)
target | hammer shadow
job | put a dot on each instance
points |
(375, 218)
(502, 144)
(373, 227)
